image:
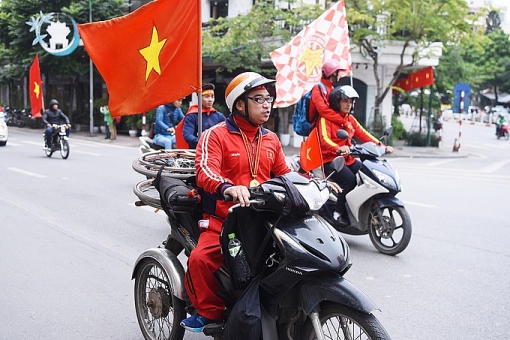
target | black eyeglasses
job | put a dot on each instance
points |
(261, 100)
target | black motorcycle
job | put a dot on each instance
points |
(297, 261)
(59, 141)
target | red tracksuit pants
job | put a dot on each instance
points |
(203, 262)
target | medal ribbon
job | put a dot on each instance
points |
(253, 160)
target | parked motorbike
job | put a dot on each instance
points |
(59, 141)
(503, 131)
(148, 145)
(301, 268)
(372, 206)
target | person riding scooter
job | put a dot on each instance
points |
(499, 123)
(342, 101)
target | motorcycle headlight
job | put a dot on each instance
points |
(314, 196)
(386, 180)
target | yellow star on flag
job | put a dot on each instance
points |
(312, 59)
(151, 53)
(37, 90)
(308, 154)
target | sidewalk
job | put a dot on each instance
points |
(400, 150)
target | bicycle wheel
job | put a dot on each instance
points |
(147, 193)
(177, 163)
(64, 148)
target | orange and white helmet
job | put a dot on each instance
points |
(243, 83)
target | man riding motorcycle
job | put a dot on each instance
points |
(53, 116)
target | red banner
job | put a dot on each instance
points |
(35, 88)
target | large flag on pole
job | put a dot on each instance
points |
(149, 57)
(35, 88)
(299, 62)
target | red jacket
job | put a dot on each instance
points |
(319, 103)
(330, 142)
(221, 161)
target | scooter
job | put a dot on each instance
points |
(503, 131)
(372, 206)
(298, 278)
(148, 145)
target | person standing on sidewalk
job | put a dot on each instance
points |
(108, 121)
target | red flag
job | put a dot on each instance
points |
(403, 83)
(421, 78)
(35, 88)
(310, 155)
(149, 57)
(299, 62)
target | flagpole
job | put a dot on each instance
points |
(91, 85)
(199, 63)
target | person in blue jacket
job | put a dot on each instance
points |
(167, 118)
(210, 116)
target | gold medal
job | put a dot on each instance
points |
(254, 183)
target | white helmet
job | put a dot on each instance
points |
(243, 83)
(341, 92)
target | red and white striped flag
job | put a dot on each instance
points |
(299, 62)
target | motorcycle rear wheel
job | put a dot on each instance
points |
(390, 233)
(341, 322)
(64, 148)
(48, 152)
(158, 311)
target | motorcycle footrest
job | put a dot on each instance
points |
(213, 329)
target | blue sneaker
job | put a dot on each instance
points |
(196, 323)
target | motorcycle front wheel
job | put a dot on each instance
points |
(507, 135)
(64, 148)
(344, 323)
(158, 311)
(389, 229)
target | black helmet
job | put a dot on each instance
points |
(341, 92)
(53, 102)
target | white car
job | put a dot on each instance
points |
(4, 130)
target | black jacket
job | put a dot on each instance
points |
(54, 117)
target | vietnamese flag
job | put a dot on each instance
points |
(310, 155)
(149, 57)
(35, 88)
(421, 78)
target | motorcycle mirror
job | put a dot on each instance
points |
(388, 131)
(337, 164)
(342, 134)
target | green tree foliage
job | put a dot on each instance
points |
(495, 62)
(415, 24)
(246, 40)
(16, 49)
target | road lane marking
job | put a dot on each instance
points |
(28, 173)
(493, 167)
(89, 153)
(423, 205)
(441, 162)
